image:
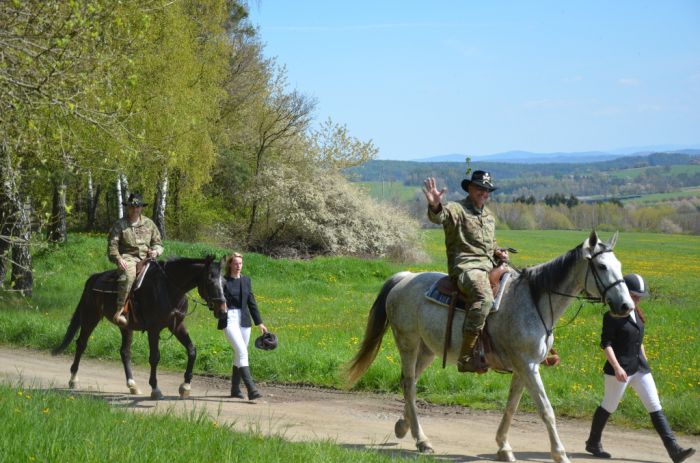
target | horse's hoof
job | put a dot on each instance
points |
(401, 428)
(184, 390)
(156, 394)
(425, 447)
(133, 388)
(506, 455)
(73, 384)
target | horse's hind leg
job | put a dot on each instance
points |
(505, 451)
(183, 336)
(409, 368)
(153, 359)
(125, 354)
(88, 322)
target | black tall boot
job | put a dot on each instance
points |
(593, 445)
(675, 451)
(249, 383)
(236, 383)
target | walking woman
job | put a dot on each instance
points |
(242, 309)
(627, 364)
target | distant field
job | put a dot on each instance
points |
(389, 191)
(673, 170)
(690, 192)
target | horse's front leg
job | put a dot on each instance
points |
(125, 354)
(183, 336)
(505, 451)
(153, 359)
(533, 383)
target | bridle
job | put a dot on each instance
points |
(210, 301)
(602, 289)
(600, 286)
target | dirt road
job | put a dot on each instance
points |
(354, 420)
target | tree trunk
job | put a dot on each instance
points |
(122, 194)
(56, 232)
(159, 204)
(22, 278)
(7, 210)
(93, 196)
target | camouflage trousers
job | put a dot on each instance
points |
(126, 279)
(476, 286)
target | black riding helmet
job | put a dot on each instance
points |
(636, 285)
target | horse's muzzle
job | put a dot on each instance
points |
(219, 308)
(624, 310)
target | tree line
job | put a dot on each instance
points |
(539, 180)
(175, 100)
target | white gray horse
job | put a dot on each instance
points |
(521, 330)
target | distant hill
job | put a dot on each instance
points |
(527, 157)
(653, 173)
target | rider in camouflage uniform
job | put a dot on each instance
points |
(470, 241)
(131, 239)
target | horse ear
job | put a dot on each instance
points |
(590, 244)
(613, 240)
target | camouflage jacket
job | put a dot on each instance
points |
(470, 236)
(133, 239)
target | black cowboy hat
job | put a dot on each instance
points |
(268, 341)
(479, 178)
(636, 285)
(134, 200)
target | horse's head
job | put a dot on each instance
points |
(604, 275)
(209, 287)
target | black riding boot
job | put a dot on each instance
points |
(593, 445)
(675, 451)
(249, 383)
(236, 383)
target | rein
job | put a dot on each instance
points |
(602, 290)
(185, 293)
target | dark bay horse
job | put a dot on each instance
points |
(521, 330)
(160, 302)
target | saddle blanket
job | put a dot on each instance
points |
(435, 295)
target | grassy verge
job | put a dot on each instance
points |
(39, 425)
(319, 307)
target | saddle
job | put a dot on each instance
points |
(445, 292)
(107, 283)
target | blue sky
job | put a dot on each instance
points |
(476, 77)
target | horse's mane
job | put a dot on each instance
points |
(550, 275)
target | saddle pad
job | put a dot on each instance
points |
(106, 282)
(433, 294)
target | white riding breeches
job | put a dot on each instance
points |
(642, 383)
(238, 336)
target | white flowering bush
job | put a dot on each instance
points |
(319, 212)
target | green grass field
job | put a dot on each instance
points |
(43, 426)
(689, 192)
(633, 173)
(318, 308)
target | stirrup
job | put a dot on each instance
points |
(121, 321)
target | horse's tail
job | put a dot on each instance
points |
(74, 324)
(377, 324)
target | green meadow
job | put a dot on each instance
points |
(319, 307)
(86, 429)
